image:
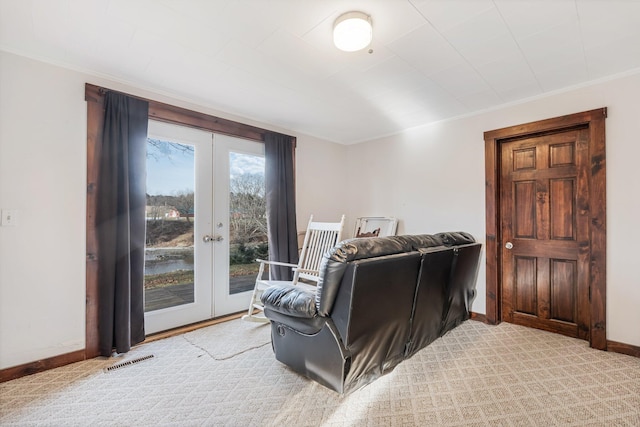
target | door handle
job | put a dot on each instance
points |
(209, 238)
(508, 245)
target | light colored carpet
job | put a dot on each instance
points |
(229, 339)
(477, 375)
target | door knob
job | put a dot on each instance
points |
(508, 245)
(209, 238)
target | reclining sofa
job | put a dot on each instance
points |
(378, 302)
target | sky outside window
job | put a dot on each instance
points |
(171, 167)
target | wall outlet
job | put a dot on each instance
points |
(9, 217)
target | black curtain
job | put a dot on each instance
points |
(120, 223)
(281, 203)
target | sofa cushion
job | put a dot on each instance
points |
(455, 238)
(290, 300)
(422, 241)
(368, 247)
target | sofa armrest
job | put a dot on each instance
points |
(290, 300)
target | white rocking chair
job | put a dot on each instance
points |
(318, 239)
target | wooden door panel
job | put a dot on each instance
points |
(546, 273)
(562, 200)
(563, 287)
(524, 198)
(542, 211)
(524, 159)
(544, 291)
(562, 154)
(562, 249)
(525, 284)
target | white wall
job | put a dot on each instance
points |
(43, 176)
(320, 182)
(432, 179)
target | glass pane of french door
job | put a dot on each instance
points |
(240, 219)
(178, 273)
(169, 251)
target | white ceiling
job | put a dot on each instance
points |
(273, 60)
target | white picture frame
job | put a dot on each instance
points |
(375, 226)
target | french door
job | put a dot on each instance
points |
(194, 221)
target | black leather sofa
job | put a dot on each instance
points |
(378, 302)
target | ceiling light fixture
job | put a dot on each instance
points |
(352, 31)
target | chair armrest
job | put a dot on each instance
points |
(285, 264)
(304, 270)
(290, 300)
(264, 262)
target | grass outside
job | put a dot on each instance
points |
(183, 277)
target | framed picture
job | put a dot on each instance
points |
(375, 226)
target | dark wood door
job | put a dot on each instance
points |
(545, 232)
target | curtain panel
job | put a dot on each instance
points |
(281, 203)
(120, 223)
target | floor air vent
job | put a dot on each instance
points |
(127, 363)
